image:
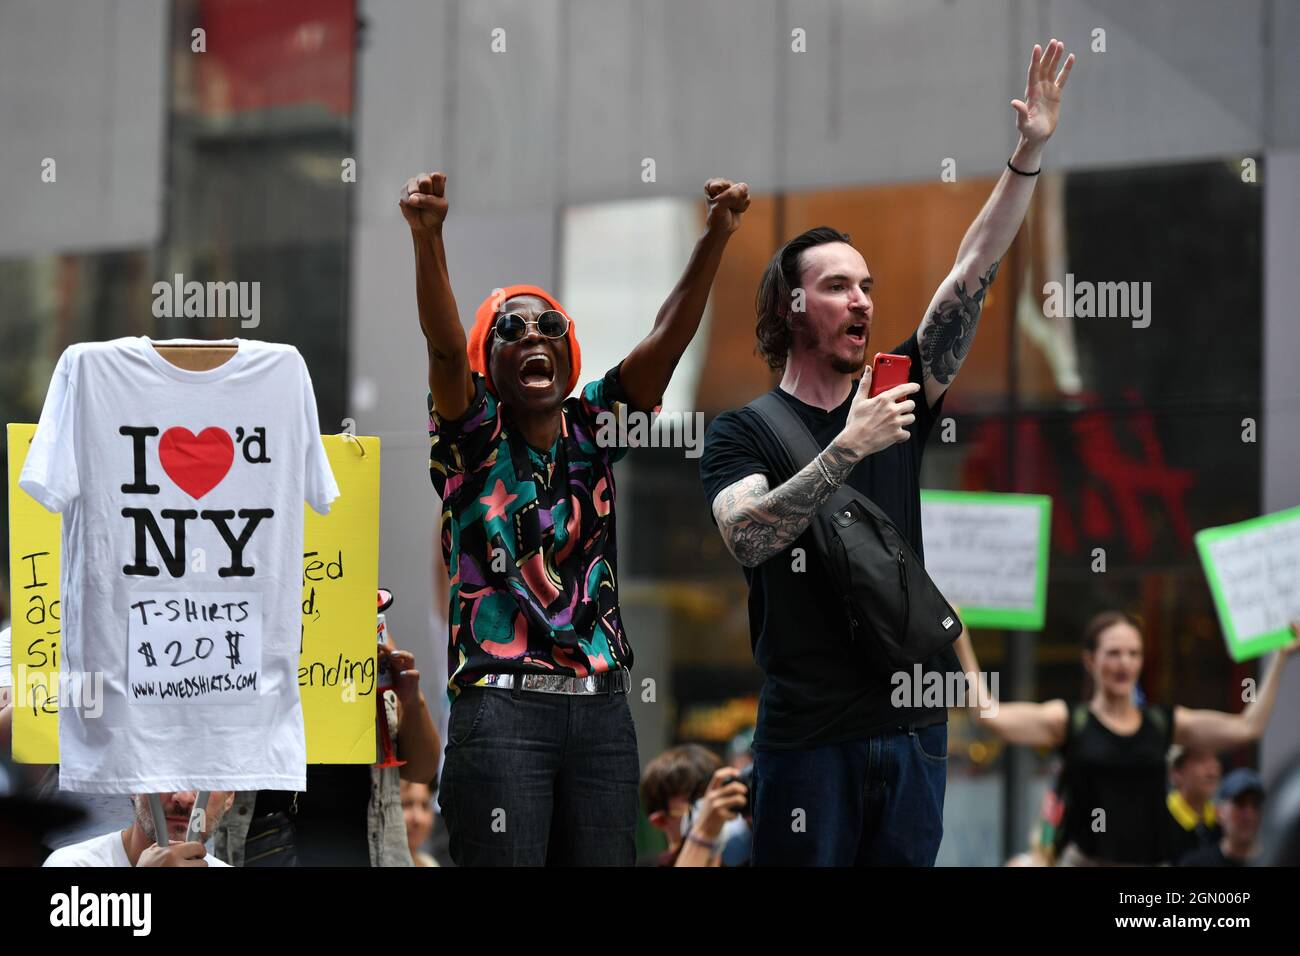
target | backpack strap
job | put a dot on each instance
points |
(1160, 720)
(1074, 726)
(1079, 718)
(800, 448)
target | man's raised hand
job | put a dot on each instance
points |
(727, 201)
(877, 423)
(424, 201)
(1037, 113)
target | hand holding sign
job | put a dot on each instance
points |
(1253, 569)
(1286, 650)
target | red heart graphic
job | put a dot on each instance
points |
(197, 463)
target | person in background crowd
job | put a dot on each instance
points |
(138, 845)
(1114, 751)
(725, 799)
(670, 785)
(1194, 776)
(1239, 805)
(689, 796)
(417, 808)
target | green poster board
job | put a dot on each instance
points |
(1254, 572)
(988, 554)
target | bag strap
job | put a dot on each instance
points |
(1078, 721)
(1160, 718)
(800, 448)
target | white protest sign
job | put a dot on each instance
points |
(1254, 572)
(988, 553)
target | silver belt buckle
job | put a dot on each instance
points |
(561, 683)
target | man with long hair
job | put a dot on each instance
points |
(841, 776)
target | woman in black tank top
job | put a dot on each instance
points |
(1114, 774)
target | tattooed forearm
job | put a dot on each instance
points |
(757, 522)
(947, 333)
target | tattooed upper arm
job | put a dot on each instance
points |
(948, 329)
(732, 508)
(758, 522)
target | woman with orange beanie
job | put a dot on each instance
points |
(541, 762)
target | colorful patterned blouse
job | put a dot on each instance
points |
(528, 539)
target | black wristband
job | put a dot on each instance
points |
(1021, 172)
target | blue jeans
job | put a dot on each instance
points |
(871, 802)
(533, 779)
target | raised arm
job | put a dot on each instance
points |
(1027, 724)
(948, 327)
(649, 366)
(757, 521)
(424, 206)
(1217, 730)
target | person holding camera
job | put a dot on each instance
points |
(689, 797)
(726, 799)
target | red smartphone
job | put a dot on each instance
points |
(887, 371)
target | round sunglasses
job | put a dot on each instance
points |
(511, 327)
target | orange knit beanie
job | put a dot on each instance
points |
(485, 317)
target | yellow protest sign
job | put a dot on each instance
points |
(337, 672)
(35, 544)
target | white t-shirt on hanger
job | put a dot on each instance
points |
(182, 498)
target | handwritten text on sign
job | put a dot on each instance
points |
(987, 554)
(340, 572)
(1254, 571)
(321, 580)
(205, 647)
(335, 680)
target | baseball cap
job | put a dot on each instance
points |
(1240, 781)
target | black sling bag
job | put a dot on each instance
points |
(888, 596)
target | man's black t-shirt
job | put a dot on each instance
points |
(817, 688)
